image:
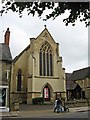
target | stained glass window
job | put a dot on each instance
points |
(46, 60)
(19, 79)
(40, 65)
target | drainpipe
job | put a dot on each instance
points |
(9, 83)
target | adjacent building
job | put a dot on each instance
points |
(78, 84)
(73, 89)
(5, 67)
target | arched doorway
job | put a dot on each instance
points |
(46, 93)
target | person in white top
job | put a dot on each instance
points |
(55, 105)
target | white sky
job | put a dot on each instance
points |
(73, 41)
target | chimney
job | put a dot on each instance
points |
(7, 37)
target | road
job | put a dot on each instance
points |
(73, 115)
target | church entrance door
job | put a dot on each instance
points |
(46, 93)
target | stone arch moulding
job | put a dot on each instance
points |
(47, 85)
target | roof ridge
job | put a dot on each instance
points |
(81, 69)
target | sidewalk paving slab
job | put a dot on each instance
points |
(9, 114)
(32, 113)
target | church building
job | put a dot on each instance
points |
(37, 71)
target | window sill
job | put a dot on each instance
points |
(48, 77)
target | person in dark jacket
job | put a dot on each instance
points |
(59, 103)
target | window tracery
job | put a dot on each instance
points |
(46, 60)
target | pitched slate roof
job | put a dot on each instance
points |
(80, 74)
(5, 54)
(76, 75)
(70, 85)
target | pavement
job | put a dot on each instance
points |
(37, 110)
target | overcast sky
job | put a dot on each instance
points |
(73, 41)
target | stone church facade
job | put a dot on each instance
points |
(37, 71)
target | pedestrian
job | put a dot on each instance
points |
(59, 105)
(55, 105)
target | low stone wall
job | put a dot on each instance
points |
(78, 103)
(20, 97)
(16, 99)
(14, 107)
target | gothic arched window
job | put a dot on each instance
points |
(46, 60)
(19, 80)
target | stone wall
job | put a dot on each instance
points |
(78, 103)
(20, 97)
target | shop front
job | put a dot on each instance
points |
(4, 98)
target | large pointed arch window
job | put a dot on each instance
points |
(19, 80)
(46, 60)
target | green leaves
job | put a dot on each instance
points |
(78, 10)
